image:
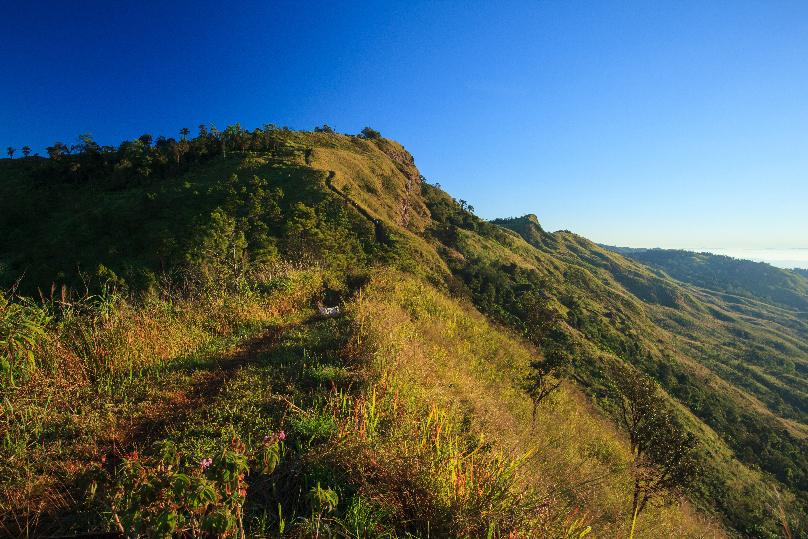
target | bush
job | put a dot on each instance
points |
(154, 498)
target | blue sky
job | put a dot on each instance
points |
(670, 124)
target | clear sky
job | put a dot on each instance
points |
(669, 124)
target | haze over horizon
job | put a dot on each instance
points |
(780, 258)
(667, 124)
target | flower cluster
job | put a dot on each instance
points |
(276, 435)
(205, 463)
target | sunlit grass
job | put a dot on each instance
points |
(407, 407)
(429, 348)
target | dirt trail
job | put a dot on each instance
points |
(140, 431)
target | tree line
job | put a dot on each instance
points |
(147, 159)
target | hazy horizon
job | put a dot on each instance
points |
(780, 258)
(796, 257)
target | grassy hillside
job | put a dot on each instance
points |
(175, 287)
(735, 373)
(754, 280)
(614, 307)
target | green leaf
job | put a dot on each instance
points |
(180, 483)
(166, 522)
(269, 457)
(219, 522)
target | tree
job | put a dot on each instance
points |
(224, 245)
(302, 229)
(545, 377)
(236, 238)
(184, 132)
(178, 149)
(55, 151)
(236, 137)
(369, 134)
(11, 152)
(26, 150)
(85, 144)
(540, 318)
(662, 449)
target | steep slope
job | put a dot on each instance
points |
(734, 362)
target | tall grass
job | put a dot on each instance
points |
(460, 377)
(83, 369)
(108, 337)
(415, 417)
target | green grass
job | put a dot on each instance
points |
(110, 378)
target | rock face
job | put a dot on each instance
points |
(405, 164)
(396, 152)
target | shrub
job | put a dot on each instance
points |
(157, 497)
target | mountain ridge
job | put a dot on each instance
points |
(731, 359)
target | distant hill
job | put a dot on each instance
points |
(756, 280)
(625, 250)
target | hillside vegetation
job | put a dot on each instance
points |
(165, 367)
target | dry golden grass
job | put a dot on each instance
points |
(429, 346)
(118, 338)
